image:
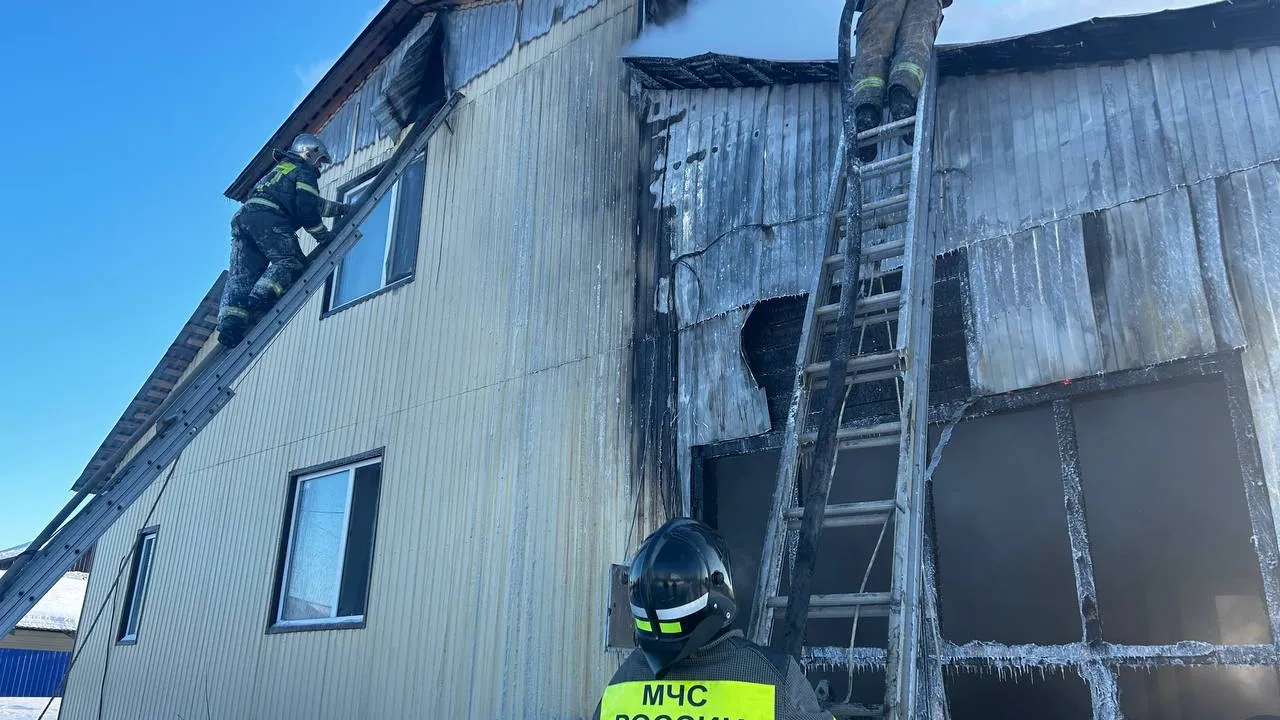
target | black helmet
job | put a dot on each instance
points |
(681, 592)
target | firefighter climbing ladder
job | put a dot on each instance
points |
(194, 405)
(834, 344)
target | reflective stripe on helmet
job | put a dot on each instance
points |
(684, 611)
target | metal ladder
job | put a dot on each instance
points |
(76, 529)
(836, 335)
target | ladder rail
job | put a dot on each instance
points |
(915, 333)
(198, 402)
(776, 534)
(817, 484)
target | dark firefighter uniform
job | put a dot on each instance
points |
(690, 664)
(894, 41)
(265, 255)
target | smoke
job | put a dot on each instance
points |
(806, 29)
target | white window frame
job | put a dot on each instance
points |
(278, 620)
(144, 557)
(386, 245)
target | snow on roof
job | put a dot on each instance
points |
(800, 30)
(59, 609)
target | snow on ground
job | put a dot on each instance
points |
(28, 708)
(13, 551)
(59, 609)
(806, 29)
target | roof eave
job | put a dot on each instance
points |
(378, 39)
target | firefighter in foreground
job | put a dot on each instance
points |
(265, 256)
(900, 32)
(690, 663)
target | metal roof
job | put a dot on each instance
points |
(1218, 26)
(160, 383)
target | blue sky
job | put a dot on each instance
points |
(121, 124)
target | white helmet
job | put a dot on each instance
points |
(310, 148)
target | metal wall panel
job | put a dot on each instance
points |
(479, 38)
(1080, 192)
(495, 381)
(538, 16)
(32, 673)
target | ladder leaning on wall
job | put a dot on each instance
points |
(79, 525)
(834, 359)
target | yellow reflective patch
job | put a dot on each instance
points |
(262, 201)
(644, 625)
(910, 67)
(308, 188)
(274, 286)
(286, 167)
(868, 82)
(672, 628)
(688, 698)
(233, 311)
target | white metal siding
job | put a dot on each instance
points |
(497, 382)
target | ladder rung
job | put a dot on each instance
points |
(862, 378)
(878, 133)
(841, 606)
(889, 204)
(851, 438)
(858, 362)
(868, 304)
(839, 515)
(897, 163)
(873, 253)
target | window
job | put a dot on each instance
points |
(388, 250)
(143, 553)
(328, 547)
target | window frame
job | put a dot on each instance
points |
(135, 598)
(388, 246)
(275, 624)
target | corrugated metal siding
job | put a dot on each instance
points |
(743, 179)
(496, 381)
(538, 16)
(32, 673)
(1080, 193)
(479, 38)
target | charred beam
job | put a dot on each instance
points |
(1255, 489)
(990, 656)
(1077, 525)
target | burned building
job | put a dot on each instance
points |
(575, 313)
(1103, 207)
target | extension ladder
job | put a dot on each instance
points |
(878, 330)
(84, 520)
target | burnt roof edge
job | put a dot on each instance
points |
(1217, 26)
